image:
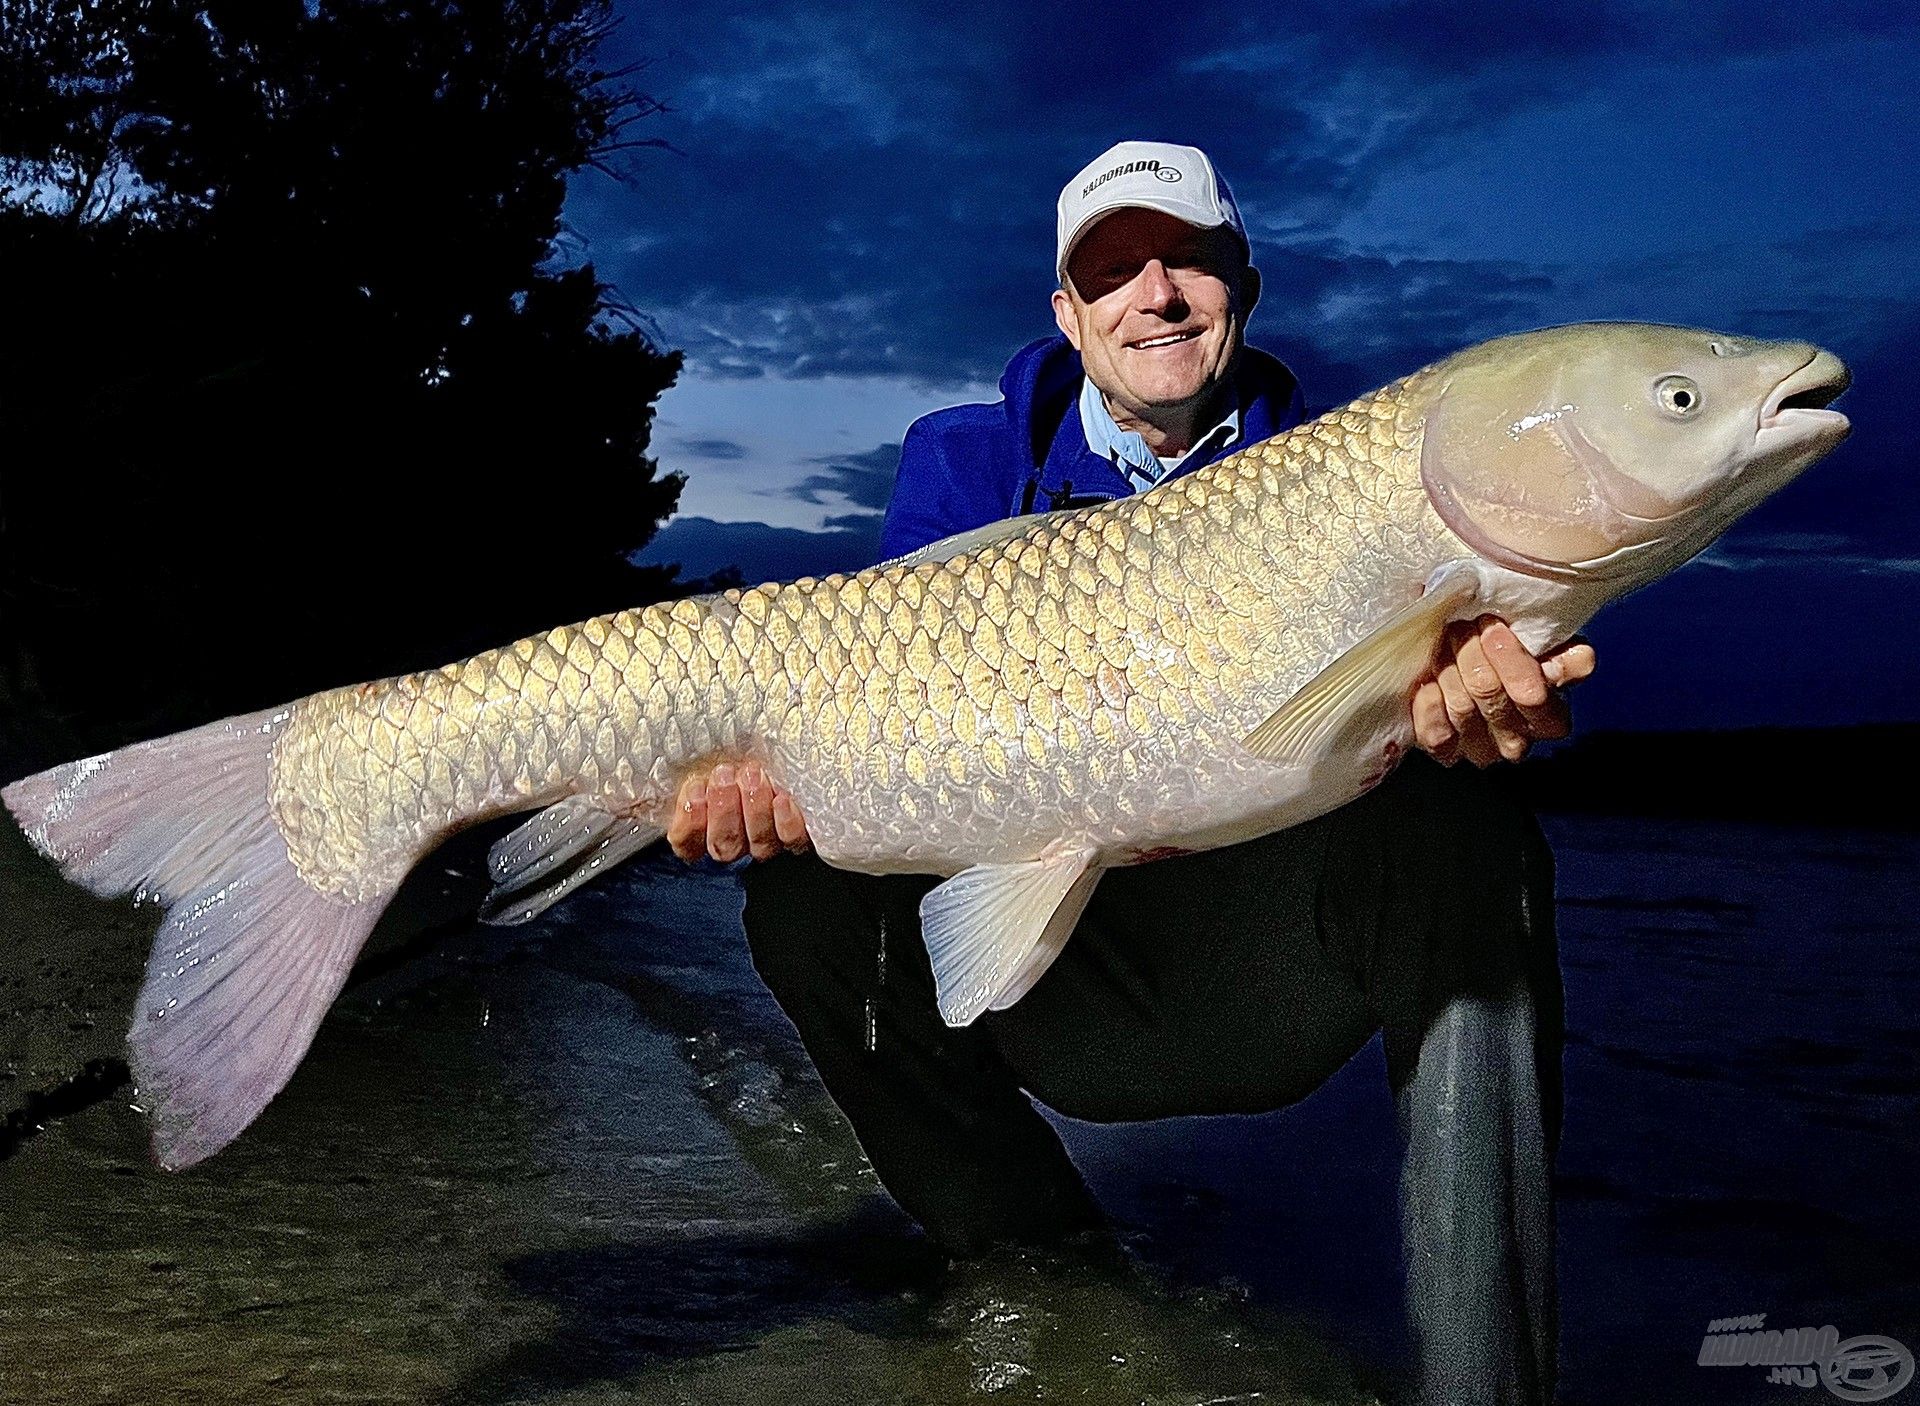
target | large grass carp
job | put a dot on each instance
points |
(1018, 708)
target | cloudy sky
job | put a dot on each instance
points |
(855, 225)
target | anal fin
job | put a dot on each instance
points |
(993, 929)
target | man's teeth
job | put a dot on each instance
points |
(1169, 339)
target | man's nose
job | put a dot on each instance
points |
(1156, 289)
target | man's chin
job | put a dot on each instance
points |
(1172, 385)
(1172, 394)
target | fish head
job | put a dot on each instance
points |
(1620, 448)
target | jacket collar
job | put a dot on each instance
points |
(1128, 451)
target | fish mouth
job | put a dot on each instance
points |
(1164, 339)
(1802, 398)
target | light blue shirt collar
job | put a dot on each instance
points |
(1128, 452)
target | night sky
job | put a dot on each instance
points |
(855, 225)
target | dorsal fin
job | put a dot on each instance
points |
(964, 543)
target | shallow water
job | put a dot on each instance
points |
(585, 1161)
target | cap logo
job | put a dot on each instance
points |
(1165, 173)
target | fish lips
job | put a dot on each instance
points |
(1799, 403)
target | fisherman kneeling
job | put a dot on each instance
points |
(1231, 981)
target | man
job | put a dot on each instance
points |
(1231, 981)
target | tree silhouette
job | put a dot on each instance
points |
(292, 392)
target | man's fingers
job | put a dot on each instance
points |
(1461, 709)
(1489, 696)
(1475, 743)
(726, 824)
(1541, 712)
(788, 823)
(757, 808)
(687, 831)
(1483, 684)
(1433, 731)
(1518, 671)
(732, 811)
(1570, 663)
(1472, 740)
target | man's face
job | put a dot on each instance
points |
(1156, 307)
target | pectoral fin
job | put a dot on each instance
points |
(992, 930)
(1366, 691)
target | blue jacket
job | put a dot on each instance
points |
(969, 465)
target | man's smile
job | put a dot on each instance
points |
(1165, 339)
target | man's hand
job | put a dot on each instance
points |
(732, 812)
(1492, 699)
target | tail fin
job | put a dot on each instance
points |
(249, 957)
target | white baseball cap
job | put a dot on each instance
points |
(1149, 176)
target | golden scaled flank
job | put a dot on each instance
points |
(1038, 675)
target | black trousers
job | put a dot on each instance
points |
(1232, 981)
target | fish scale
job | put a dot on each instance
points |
(1085, 678)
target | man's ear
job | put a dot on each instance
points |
(1249, 291)
(1065, 317)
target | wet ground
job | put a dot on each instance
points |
(585, 1161)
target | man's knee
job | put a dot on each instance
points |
(1443, 870)
(797, 913)
(1462, 828)
(808, 923)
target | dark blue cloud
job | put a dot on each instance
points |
(1431, 40)
(868, 189)
(723, 450)
(1348, 323)
(702, 547)
(863, 480)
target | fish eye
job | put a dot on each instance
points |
(1678, 395)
